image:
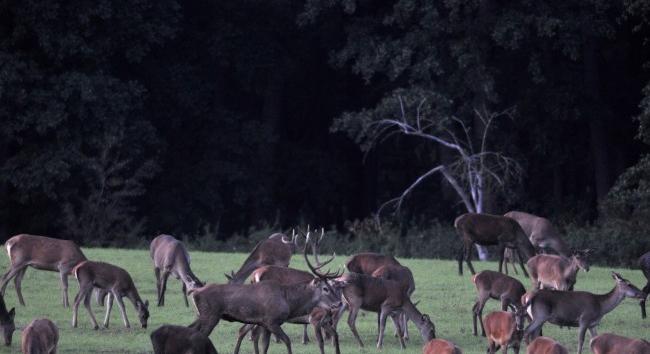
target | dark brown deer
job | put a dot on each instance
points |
(609, 343)
(488, 230)
(361, 291)
(644, 264)
(504, 329)
(169, 339)
(41, 336)
(170, 257)
(556, 272)
(491, 284)
(576, 308)
(440, 346)
(42, 253)
(117, 282)
(7, 325)
(275, 250)
(545, 345)
(541, 232)
(266, 303)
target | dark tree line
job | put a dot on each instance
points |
(126, 118)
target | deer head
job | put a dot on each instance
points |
(7, 326)
(143, 312)
(627, 288)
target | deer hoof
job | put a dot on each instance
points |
(96, 328)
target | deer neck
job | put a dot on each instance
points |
(186, 275)
(610, 300)
(415, 315)
(572, 269)
(134, 297)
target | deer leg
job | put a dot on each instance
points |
(383, 314)
(187, 304)
(163, 287)
(255, 337)
(86, 297)
(64, 287)
(10, 274)
(243, 330)
(645, 290)
(581, 337)
(502, 254)
(534, 329)
(17, 284)
(352, 318)
(77, 301)
(319, 337)
(305, 336)
(278, 332)
(521, 264)
(459, 258)
(468, 257)
(109, 307)
(478, 312)
(156, 272)
(120, 304)
(397, 323)
(266, 339)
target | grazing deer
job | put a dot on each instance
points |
(275, 250)
(644, 264)
(504, 329)
(609, 343)
(40, 337)
(42, 253)
(169, 339)
(117, 282)
(440, 346)
(576, 308)
(404, 277)
(170, 257)
(556, 272)
(491, 284)
(7, 325)
(541, 232)
(266, 303)
(545, 345)
(384, 296)
(487, 230)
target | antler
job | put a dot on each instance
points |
(294, 238)
(316, 270)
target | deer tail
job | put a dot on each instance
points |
(76, 268)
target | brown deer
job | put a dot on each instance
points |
(440, 346)
(504, 329)
(556, 272)
(41, 336)
(609, 343)
(545, 345)
(275, 250)
(404, 277)
(644, 264)
(541, 232)
(491, 284)
(117, 282)
(361, 291)
(7, 325)
(487, 230)
(266, 303)
(576, 308)
(169, 339)
(170, 257)
(42, 253)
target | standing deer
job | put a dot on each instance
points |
(491, 284)
(440, 346)
(384, 296)
(7, 325)
(275, 250)
(576, 308)
(504, 329)
(556, 272)
(170, 257)
(42, 253)
(169, 339)
(487, 230)
(609, 343)
(541, 232)
(40, 337)
(117, 282)
(644, 264)
(545, 345)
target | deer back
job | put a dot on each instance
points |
(43, 252)
(40, 336)
(371, 292)
(498, 285)
(104, 276)
(368, 262)
(271, 251)
(609, 343)
(440, 346)
(282, 275)
(540, 231)
(180, 339)
(400, 274)
(545, 345)
(500, 327)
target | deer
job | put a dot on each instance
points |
(556, 272)
(504, 329)
(41, 336)
(509, 257)
(644, 264)
(170, 256)
(440, 346)
(404, 277)
(170, 339)
(361, 291)
(609, 343)
(545, 345)
(541, 232)
(40, 252)
(116, 282)
(7, 324)
(493, 285)
(275, 250)
(267, 303)
(486, 230)
(576, 308)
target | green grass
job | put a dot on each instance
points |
(443, 294)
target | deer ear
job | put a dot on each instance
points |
(617, 276)
(12, 313)
(227, 276)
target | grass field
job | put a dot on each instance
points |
(443, 294)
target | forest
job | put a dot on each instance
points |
(214, 119)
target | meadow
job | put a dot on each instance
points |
(445, 296)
